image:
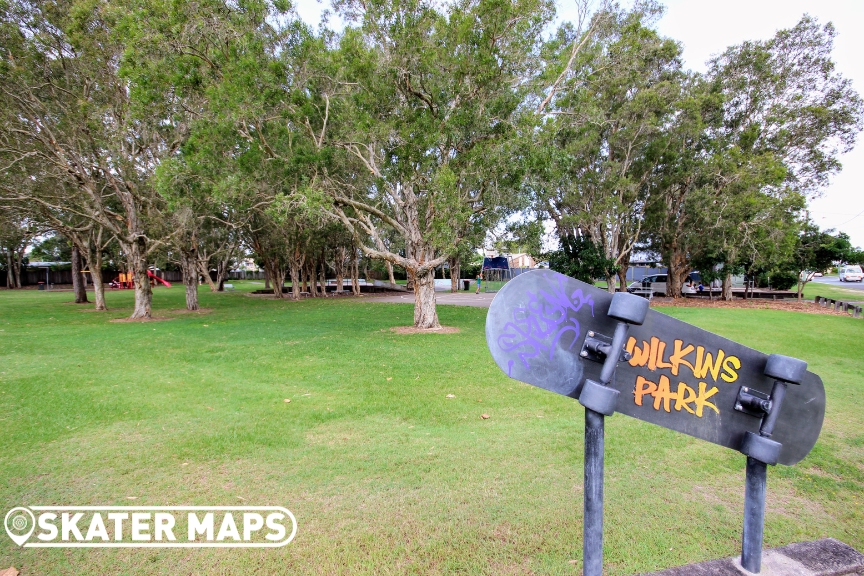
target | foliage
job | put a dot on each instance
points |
(54, 248)
(580, 258)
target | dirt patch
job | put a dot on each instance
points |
(413, 330)
(153, 319)
(785, 305)
(185, 311)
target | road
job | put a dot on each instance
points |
(834, 281)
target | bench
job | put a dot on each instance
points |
(228, 287)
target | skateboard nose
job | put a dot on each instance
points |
(628, 308)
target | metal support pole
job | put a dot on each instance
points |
(599, 401)
(754, 515)
(592, 543)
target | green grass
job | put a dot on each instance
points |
(384, 474)
(838, 291)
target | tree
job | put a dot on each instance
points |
(786, 117)
(16, 233)
(604, 127)
(66, 116)
(580, 258)
(429, 127)
(816, 251)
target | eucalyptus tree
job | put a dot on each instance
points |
(429, 129)
(17, 231)
(67, 109)
(603, 128)
(787, 114)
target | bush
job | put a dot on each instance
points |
(783, 280)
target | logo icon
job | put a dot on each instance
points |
(20, 523)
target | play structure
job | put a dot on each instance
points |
(126, 281)
(496, 273)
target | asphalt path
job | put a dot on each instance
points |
(481, 300)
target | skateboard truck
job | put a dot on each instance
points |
(761, 450)
(599, 401)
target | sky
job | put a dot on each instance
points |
(707, 27)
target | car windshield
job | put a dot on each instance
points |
(853, 270)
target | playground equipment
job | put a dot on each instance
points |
(158, 279)
(126, 281)
(496, 273)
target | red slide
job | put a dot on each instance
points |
(151, 275)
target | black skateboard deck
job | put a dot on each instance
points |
(679, 376)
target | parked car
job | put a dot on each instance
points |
(851, 273)
(657, 284)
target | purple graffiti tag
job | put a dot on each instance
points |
(539, 325)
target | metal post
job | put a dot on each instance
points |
(755, 487)
(592, 541)
(754, 515)
(599, 401)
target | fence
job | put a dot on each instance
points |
(246, 275)
(854, 307)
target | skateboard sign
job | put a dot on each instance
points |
(542, 328)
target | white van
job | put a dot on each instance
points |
(851, 273)
(657, 284)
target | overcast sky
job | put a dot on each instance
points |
(707, 27)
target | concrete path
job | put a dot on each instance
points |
(482, 300)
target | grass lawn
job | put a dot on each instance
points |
(384, 474)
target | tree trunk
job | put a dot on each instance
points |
(16, 268)
(622, 278)
(355, 272)
(455, 269)
(310, 281)
(10, 275)
(276, 274)
(294, 269)
(425, 312)
(221, 271)
(677, 272)
(322, 277)
(136, 254)
(78, 286)
(189, 267)
(204, 268)
(279, 281)
(266, 278)
(610, 283)
(94, 264)
(411, 283)
(339, 267)
(390, 277)
(727, 288)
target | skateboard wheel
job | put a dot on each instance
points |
(628, 308)
(599, 398)
(761, 448)
(785, 368)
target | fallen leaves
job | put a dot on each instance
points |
(484, 416)
(450, 396)
(287, 400)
